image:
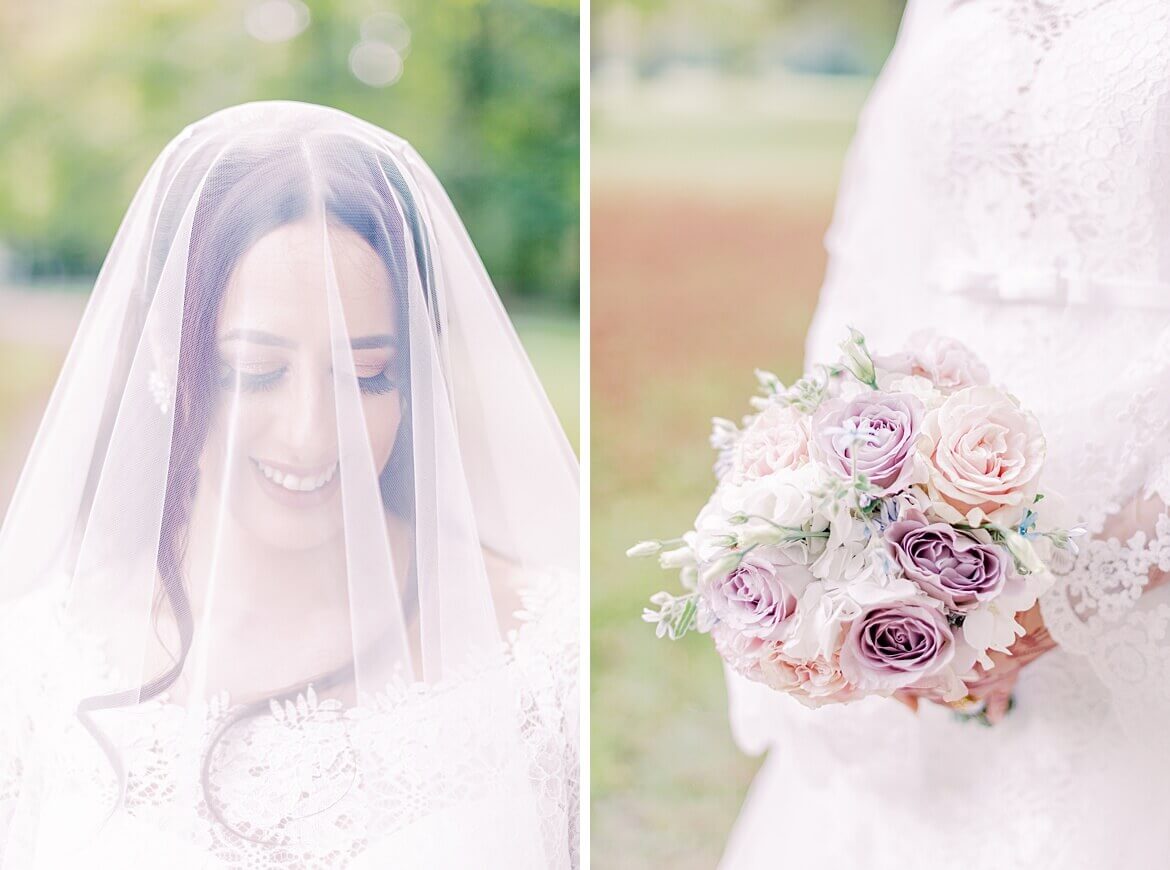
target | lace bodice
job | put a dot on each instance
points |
(1027, 144)
(311, 783)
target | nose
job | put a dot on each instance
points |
(309, 420)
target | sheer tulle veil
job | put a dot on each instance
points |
(296, 456)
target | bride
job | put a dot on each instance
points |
(290, 578)
(1010, 187)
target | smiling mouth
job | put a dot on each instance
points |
(297, 482)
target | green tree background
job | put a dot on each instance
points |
(91, 90)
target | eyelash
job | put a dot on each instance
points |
(374, 385)
(234, 379)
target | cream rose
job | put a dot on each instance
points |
(985, 457)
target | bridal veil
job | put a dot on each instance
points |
(299, 495)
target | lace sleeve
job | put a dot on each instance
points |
(546, 653)
(1111, 605)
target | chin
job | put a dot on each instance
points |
(289, 521)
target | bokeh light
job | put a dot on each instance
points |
(276, 20)
(374, 63)
(388, 28)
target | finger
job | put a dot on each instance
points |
(909, 700)
(1001, 680)
(997, 706)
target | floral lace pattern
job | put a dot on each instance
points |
(1052, 181)
(313, 784)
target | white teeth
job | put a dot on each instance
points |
(296, 484)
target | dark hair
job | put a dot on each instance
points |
(249, 192)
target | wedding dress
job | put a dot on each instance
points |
(1009, 185)
(290, 577)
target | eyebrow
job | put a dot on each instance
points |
(364, 342)
(256, 337)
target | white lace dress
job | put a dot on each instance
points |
(423, 777)
(1010, 186)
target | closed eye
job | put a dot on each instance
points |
(231, 378)
(376, 384)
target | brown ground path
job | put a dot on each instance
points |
(688, 296)
(680, 283)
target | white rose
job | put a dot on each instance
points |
(919, 387)
(841, 556)
(820, 621)
(874, 586)
(783, 498)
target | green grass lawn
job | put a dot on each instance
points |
(666, 778)
(706, 263)
(553, 344)
(785, 138)
(26, 373)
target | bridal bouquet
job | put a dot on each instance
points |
(874, 528)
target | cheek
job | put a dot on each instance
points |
(238, 430)
(383, 420)
(216, 447)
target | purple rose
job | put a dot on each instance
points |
(885, 458)
(755, 600)
(953, 567)
(896, 645)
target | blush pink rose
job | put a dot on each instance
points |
(985, 458)
(814, 682)
(945, 362)
(740, 651)
(776, 440)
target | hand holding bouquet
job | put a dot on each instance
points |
(874, 530)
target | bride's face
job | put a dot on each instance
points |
(273, 452)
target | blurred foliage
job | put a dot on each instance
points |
(91, 90)
(870, 11)
(748, 36)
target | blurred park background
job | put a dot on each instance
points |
(91, 91)
(719, 129)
